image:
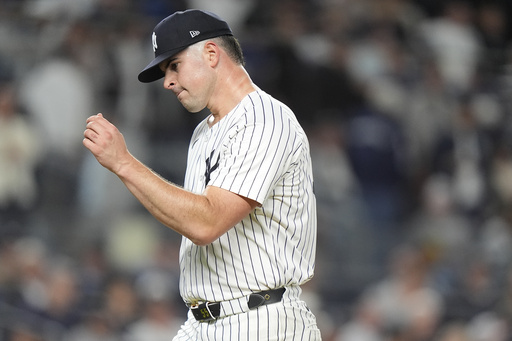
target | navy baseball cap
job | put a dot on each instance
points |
(178, 31)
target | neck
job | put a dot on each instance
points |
(231, 88)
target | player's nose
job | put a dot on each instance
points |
(169, 81)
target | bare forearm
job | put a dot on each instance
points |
(185, 212)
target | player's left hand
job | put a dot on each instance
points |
(106, 143)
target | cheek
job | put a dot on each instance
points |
(199, 75)
(200, 81)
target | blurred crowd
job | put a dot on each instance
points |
(407, 104)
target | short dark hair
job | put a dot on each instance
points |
(232, 47)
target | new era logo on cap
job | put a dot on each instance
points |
(178, 31)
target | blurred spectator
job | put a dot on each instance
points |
(56, 9)
(157, 323)
(404, 302)
(289, 22)
(37, 308)
(463, 154)
(62, 294)
(337, 94)
(504, 301)
(58, 93)
(334, 177)
(375, 149)
(495, 241)
(363, 325)
(154, 9)
(454, 43)
(500, 174)
(19, 157)
(162, 310)
(21, 334)
(93, 327)
(493, 23)
(453, 331)
(32, 256)
(441, 231)
(235, 12)
(120, 303)
(9, 273)
(476, 291)
(159, 280)
(121, 99)
(430, 115)
(488, 326)
(341, 223)
(93, 273)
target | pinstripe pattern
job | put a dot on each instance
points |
(258, 151)
(290, 321)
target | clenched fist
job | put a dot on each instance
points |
(106, 143)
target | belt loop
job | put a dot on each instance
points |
(209, 311)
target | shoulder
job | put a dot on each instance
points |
(261, 99)
(260, 114)
(200, 129)
(261, 107)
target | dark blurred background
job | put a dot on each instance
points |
(407, 104)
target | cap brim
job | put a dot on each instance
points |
(152, 71)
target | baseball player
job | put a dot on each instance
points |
(247, 211)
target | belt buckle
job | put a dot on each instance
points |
(207, 311)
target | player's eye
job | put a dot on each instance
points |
(169, 65)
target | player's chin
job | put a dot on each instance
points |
(192, 107)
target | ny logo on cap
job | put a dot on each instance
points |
(194, 33)
(153, 38)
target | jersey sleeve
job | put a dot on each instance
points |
(256, 153)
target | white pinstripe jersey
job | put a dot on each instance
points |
(259, 151)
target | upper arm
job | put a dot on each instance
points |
(257, 156)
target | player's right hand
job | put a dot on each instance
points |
(106, 143)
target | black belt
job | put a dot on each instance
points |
(209, 311)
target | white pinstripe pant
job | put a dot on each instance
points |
(288, 320)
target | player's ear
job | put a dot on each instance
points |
(212, 52)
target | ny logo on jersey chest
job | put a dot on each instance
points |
(210, 168)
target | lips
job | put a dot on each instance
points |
(177, 92)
